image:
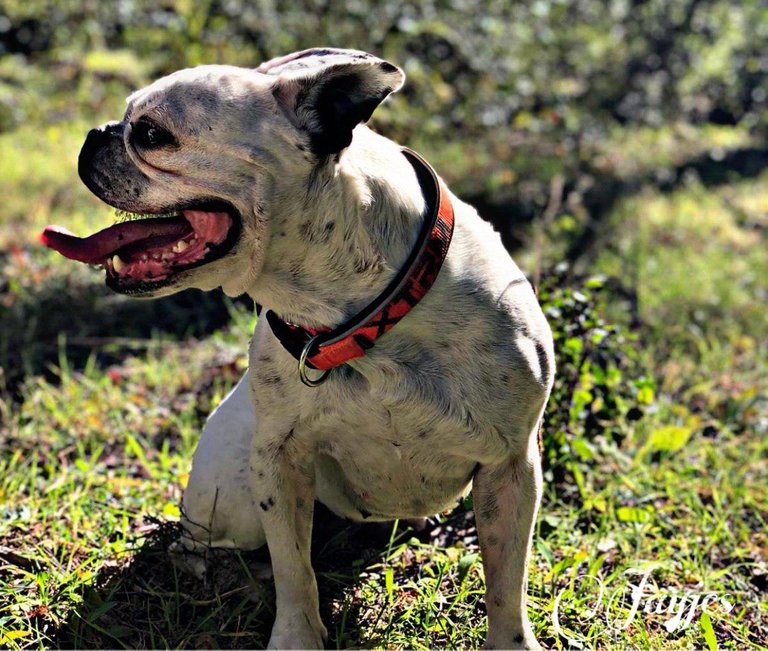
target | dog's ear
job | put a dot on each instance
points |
(327, 92)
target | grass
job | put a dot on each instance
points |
(86, 521)
(103, 399)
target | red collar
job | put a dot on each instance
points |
(326, 348)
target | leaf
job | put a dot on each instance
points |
(465, 564)
(669, 439)
(171, 510)
(645, 395)
(389, 581)
(15, 635)
(573, 344)
(709, 632)
(633, 514)
(582, 448)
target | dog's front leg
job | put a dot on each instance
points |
(506, 498)
(284, 486)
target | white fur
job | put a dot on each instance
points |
(454, 393)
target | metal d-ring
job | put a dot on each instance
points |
(303, 366)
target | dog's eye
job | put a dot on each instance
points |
(148, 135)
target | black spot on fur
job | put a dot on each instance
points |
(543, 361)
(305, 231)
(267, 504)
(343, 372)
(489, 509)
(364, 513)
(386, 66)
(519, 638)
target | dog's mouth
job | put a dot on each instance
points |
(146, 251)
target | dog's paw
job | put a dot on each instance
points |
(298, 632)
(189, 560)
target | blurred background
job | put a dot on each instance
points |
(618, 146)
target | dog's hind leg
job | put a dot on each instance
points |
(506, 498)
(218, 508)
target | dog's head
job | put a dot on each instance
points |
(201, 156)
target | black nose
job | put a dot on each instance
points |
(97, 140)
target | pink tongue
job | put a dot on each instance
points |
(99, 246)
(209, 228)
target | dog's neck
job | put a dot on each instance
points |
(337, 241)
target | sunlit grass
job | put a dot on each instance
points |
(627, 152)
(697, 261)
(39, 183)
(94, 454)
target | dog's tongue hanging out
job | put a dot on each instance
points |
(145, 249)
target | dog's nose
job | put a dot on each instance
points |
(96, 140)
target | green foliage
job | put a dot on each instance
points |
(631, 134)
(601, 388)
(665, 57)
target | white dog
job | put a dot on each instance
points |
(404, 358)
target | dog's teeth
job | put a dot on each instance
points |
(144, 257)
(117, 263)
(166, 256)
(180, 246)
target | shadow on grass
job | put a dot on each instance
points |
(150, 603)
(43, 318)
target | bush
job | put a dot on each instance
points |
(600, 386)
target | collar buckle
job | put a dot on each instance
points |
(308, 381)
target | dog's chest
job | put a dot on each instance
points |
(390, 460)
